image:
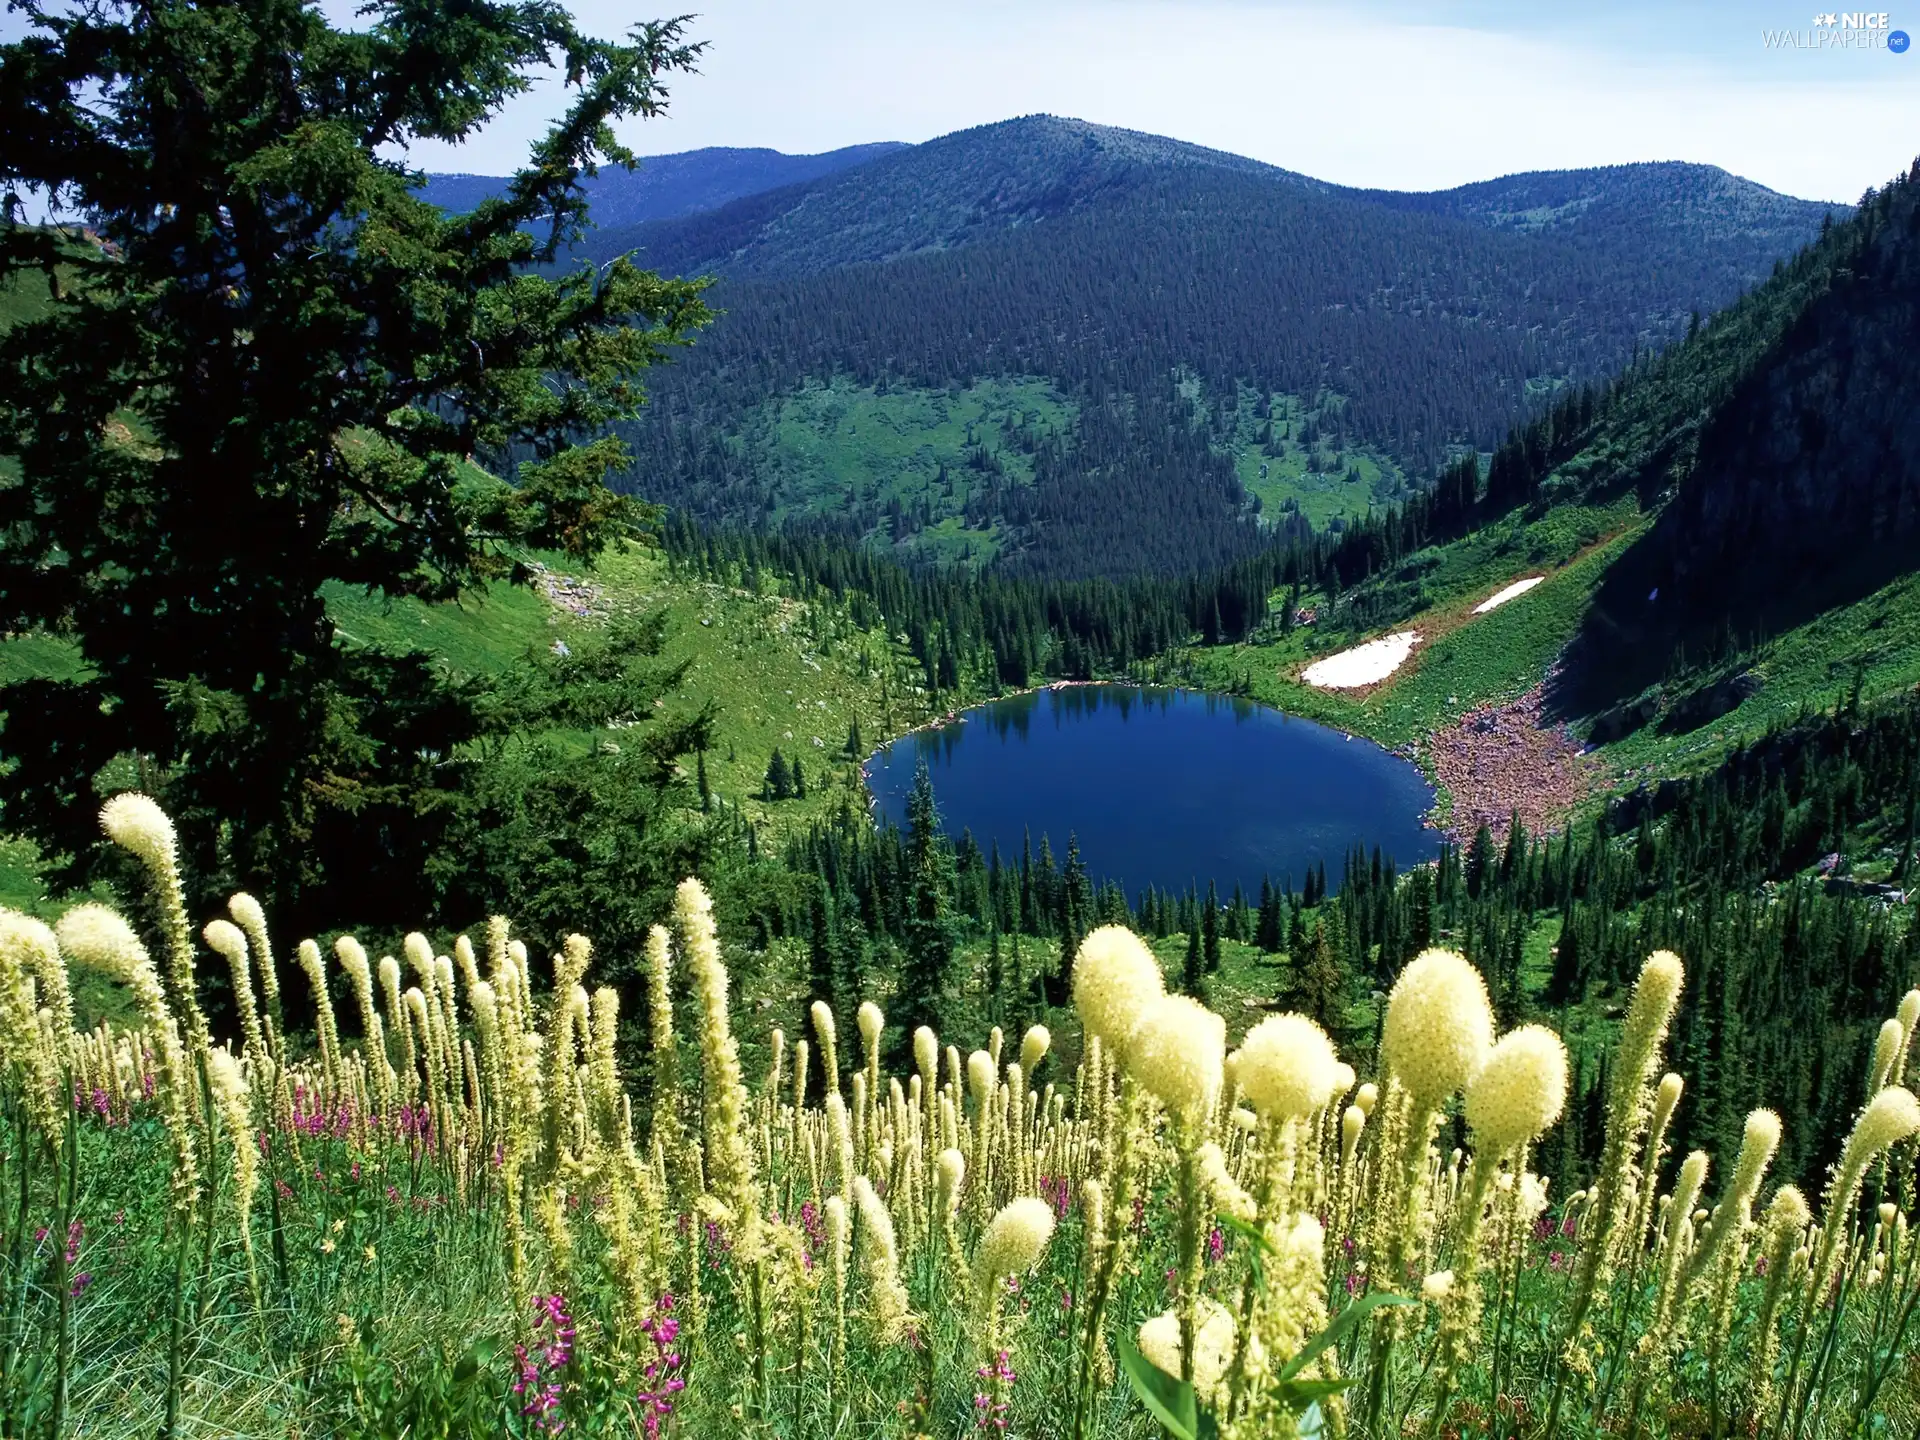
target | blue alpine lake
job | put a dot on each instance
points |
(1162, 787)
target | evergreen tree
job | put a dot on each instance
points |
(799, 780)
(926, 993)
(779, 779)
(1210, 928)
(310, 354)
(1193, 974)
(1480, 861)
(1319, 986)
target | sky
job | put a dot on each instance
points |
(1406, 94)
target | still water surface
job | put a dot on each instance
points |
(1163, 787)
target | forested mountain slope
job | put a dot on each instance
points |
(1209, 346)
(1724, 537)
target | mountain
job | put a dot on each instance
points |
(949, 192)
(1074, 351)
(1699, 202)
(963, 187)
(1794, 482)
(1723, 539)
(665, 187)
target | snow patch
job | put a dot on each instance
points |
(1362, 665)
(1518, 588)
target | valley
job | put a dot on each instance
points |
(1391, 719)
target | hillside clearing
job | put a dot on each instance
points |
(1512, 592)
(1364, 664)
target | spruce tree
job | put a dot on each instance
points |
(926, 994)
(306, 357)
(1193, 973)
(779, 779)
(1210, 928)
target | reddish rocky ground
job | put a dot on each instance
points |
(1499, 759)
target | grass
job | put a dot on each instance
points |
(838, 449)
(1464, 659)
(1320, 478)
(1468, 660)
(780, 673)
(401, 1284)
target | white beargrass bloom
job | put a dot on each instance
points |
(1436, 1286)
(1016, 1237)
(952, 1174)
(890, 1308)
(1178, 1052)
(1521, 1090)
(1115, 979)
(871, 1022)
(980, 1077)
(101, 939)
(1033, 1048)
(138, 825)
(1213, 1345)
(1890, 1116)
(1343, 1078)
(1366, 1097)
(1286, 1067)
(1888, 1046)
(1439, 1025)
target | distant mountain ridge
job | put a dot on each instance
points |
(665, 187)
(1069, 349)
(960, 188)
(1702, 200)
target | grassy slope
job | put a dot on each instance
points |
(828, 448)
(1322, 480)
(838, 448)
(781, 674)
(1466, 660)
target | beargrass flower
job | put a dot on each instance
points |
(1033, 1048)
(1015, 1239)
(1439, 1025)
(1177, 1051)
(1115, 979)
(1286, 1067)
(1160, 1345)
(1521, 1089)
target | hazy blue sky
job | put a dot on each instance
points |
(1408, 95)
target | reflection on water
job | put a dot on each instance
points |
(1163, 787)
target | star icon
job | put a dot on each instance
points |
(1831, 19)
(1819, 20)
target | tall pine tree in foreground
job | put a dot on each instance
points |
(267, 367)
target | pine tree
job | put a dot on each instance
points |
(1319, 986)
(799, 780)
(1210, 928)
(1193, 974)
(926, 992)
(700, 780)
(779, 780)
(311, 353)
(1481, 859)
